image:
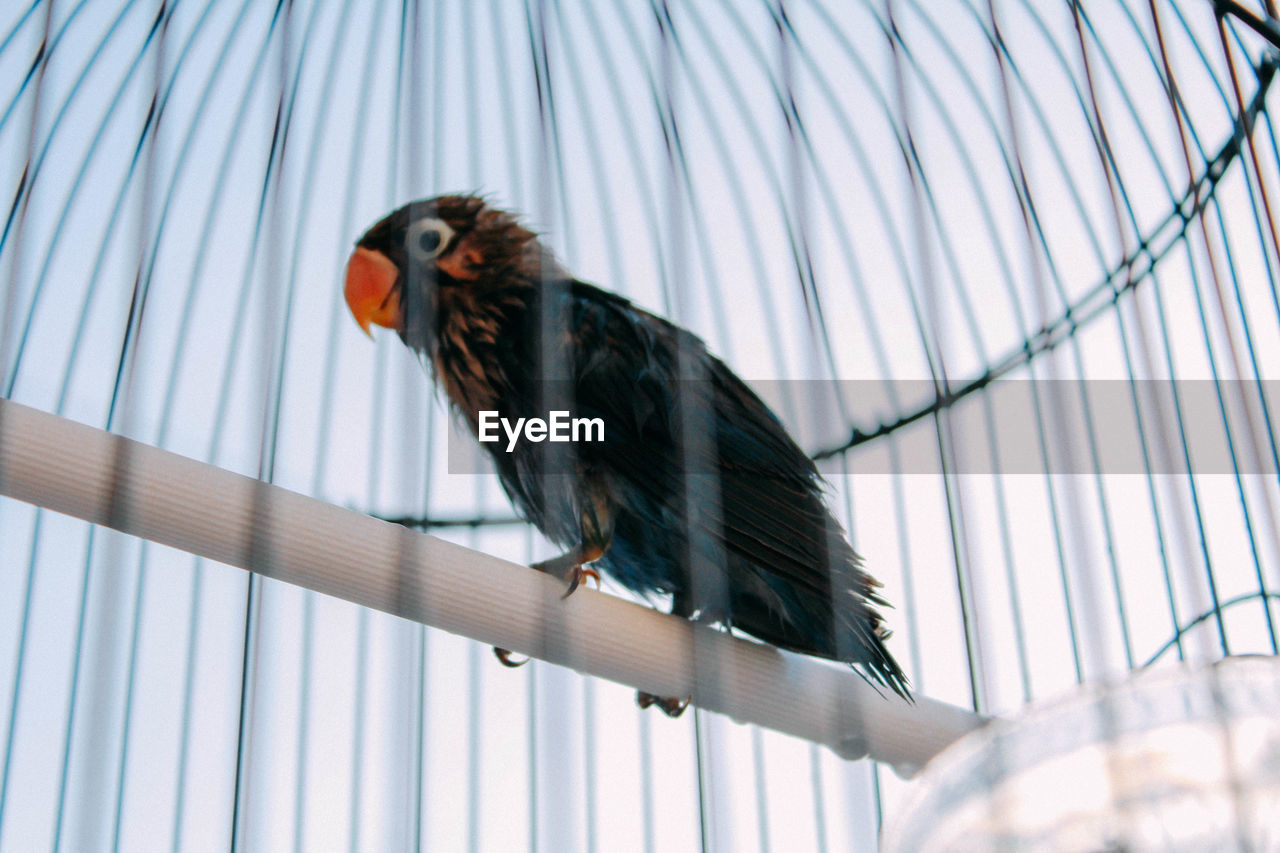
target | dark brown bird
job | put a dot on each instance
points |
(697, 492)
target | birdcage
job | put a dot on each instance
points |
(1005, 271)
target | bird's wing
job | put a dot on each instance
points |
(770, 501)
(803, 586)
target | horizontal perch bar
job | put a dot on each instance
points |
(151, 493)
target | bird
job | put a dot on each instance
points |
(697, 492)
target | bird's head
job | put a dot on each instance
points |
(448, 249)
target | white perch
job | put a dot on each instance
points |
(170, 499)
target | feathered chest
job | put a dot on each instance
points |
(482, 349)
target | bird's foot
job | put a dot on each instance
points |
(504, 656)
(576, 576)
(574, 573)
(569, 566)
(670, 706)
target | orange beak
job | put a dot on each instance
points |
(371, 290)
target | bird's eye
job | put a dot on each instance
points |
(428, 238)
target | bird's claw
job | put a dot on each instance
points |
(504, 656)
(570, 566)
(576, 576)
(670, 706)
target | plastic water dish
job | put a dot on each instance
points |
(1185, 759)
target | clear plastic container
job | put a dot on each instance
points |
(1180, 759)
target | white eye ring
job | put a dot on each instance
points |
(428, 238)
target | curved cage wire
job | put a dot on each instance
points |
(889, 217)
